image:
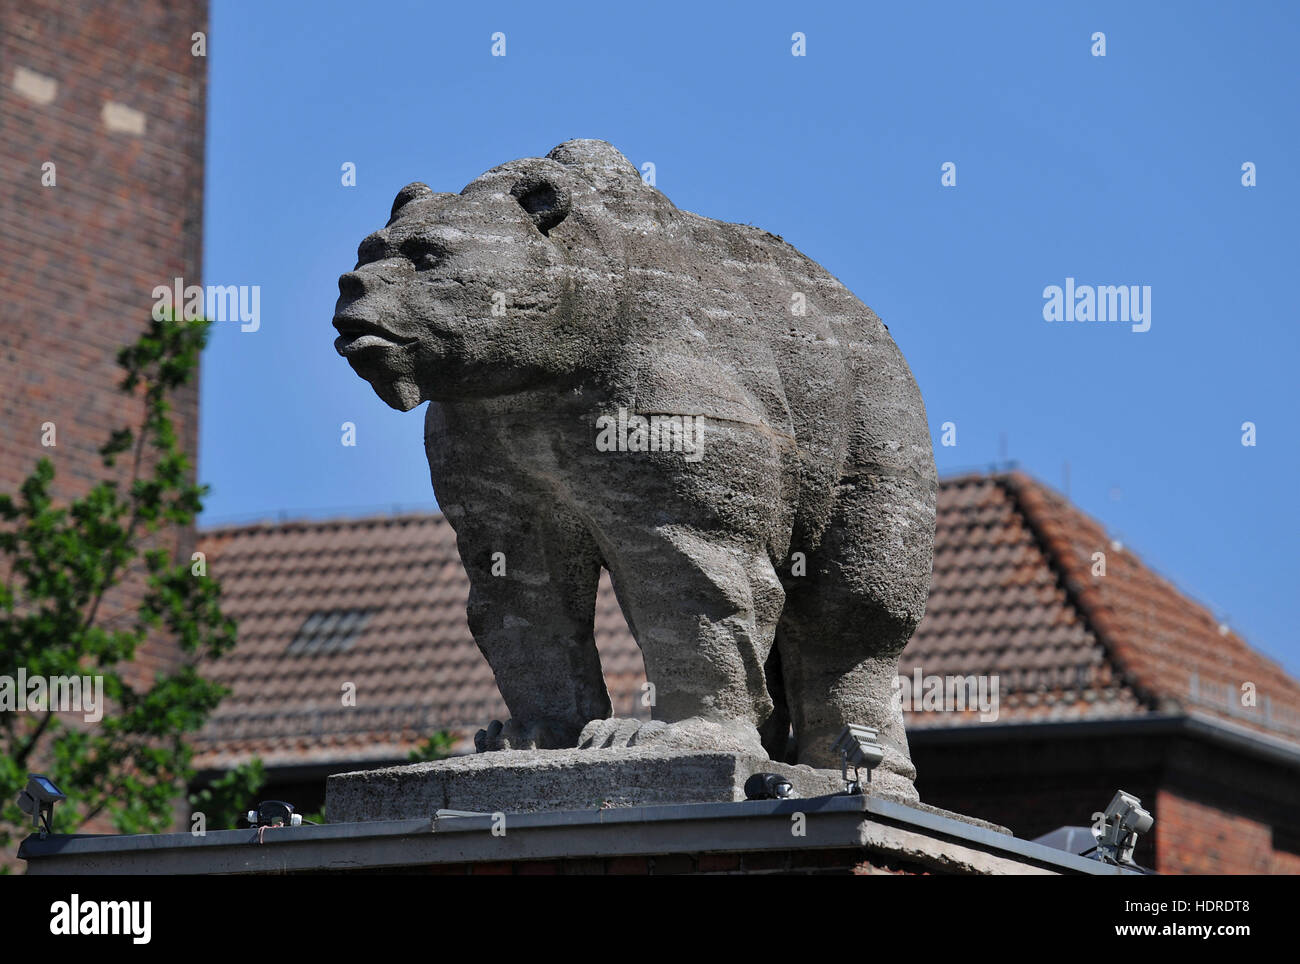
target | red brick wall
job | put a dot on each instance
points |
(1193, 838)
(78, 261)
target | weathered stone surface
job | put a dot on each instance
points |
(529, 781)
(772, 559)
(534, 781)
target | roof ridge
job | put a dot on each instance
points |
(1022, 488)
(304, 524)
(966, 476)
(1144, 665)
(1168, 582)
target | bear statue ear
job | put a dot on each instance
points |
(594, 158)
(545, 203)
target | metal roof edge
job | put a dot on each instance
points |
(1197, 724)
(832, 822)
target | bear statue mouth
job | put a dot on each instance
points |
(358, 334)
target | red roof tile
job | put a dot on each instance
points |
(1013, 595)
(1176, 653)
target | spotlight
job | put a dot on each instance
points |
(37, 800)
(1125, 819)
(274, 813)
(768, 786)
(857, 747)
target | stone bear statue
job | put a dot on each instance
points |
(692, 405)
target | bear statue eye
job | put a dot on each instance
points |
(423, 252)
(545, 204)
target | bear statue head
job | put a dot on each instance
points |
(513, 284)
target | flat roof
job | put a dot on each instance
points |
(756, 825)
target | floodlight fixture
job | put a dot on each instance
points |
(768, 786)
(1125, 818)
(857, 747)
(37, 800)
(274, 813)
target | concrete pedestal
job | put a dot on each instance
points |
(540, 781)
(535, 781)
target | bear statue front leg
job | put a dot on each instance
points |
(533, 569)
(531, 609)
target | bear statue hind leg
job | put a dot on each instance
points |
(847, 620)
(691, 733)
(829, 691)
(704, 612)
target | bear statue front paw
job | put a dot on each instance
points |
(694, 733)
(522, 735)
(617, 731)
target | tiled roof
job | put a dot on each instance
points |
(413, 666)
(379, 603)
(1173, 647)
(997, 608)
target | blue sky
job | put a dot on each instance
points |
(1123, 169)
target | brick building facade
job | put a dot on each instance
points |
(102, 112)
